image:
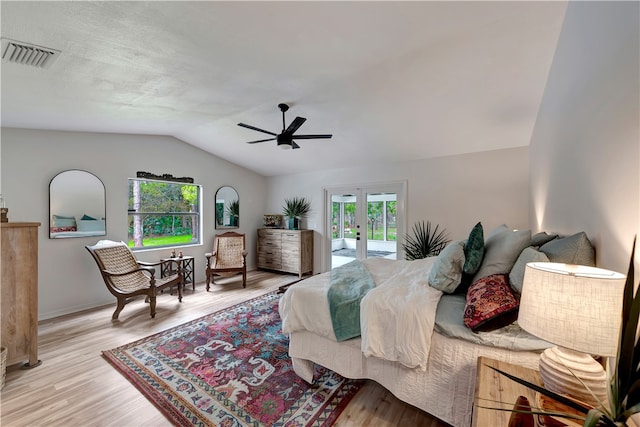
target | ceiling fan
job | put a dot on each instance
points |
(285, 138)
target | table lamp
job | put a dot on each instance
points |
(579, 309)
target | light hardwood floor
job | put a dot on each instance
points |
(75, 386)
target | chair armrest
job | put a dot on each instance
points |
(113, 273)
(149, 264)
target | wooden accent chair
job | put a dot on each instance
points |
(229, 257)
(127, 277)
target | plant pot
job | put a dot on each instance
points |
(294, 223)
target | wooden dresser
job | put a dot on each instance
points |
(286, 250)
(19, 265)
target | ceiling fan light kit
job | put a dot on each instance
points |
(285, 138)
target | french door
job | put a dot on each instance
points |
(364, 221)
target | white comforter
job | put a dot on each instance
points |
(397, 316)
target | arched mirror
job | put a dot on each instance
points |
(77, 206)
(227, 208)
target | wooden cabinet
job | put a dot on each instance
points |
(286, 250)
(19, 265)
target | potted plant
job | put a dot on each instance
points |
(233, 210)
(295, 209)
(623, 376)
(424, 242)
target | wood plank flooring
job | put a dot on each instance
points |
(75, 386)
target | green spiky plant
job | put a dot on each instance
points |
(624, 376)
(296, 209)
(233, 210)
(425, 241)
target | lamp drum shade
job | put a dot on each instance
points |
(573, 306)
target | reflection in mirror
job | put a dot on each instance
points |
(77, 206)
(227, 208)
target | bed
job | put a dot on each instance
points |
(441, 380)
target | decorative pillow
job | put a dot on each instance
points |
(516, 276)
(446, 272)
(63, 221)
(474, 250)
(88, 218)
(91, 225)
(490, 304)
(541, 238)
(501, 250)
(62, 229)
(575, 249)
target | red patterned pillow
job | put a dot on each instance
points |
(491, 304)
(61, 229)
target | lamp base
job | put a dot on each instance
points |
(559, 368)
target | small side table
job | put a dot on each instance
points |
(496, 390)
(168, 268)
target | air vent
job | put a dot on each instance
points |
(28, 54)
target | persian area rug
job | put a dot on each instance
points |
(231, 368)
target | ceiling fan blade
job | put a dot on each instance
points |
(261, 140)
(312, 136)
(295, 124)
(258, 129)
(294, 145)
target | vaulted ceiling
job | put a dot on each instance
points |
(392, 81)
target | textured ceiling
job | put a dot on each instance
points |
(392, 81)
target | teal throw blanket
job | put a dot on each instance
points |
(349, 284)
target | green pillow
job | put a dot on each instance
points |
(474, 250)
(87, 218)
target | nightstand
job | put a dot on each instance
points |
(493, 388)
(497, 391)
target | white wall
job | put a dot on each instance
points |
(585, 149)
(68, 277)
(455, 191)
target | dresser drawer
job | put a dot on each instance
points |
(288, 237)
(269, 262)
(269, 233)
(269, 243)
(291, 264)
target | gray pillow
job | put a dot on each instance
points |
(516, 275)
(575, 249)
(446, 272)
(63, 221)
(501, 250)
(541, 238)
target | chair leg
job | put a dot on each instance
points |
(208, 279)
(152, 305)
(244, 279)
(119, 307)
(180, 289)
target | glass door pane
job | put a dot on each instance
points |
(344, 245)
(381, 235)
(364, 222)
